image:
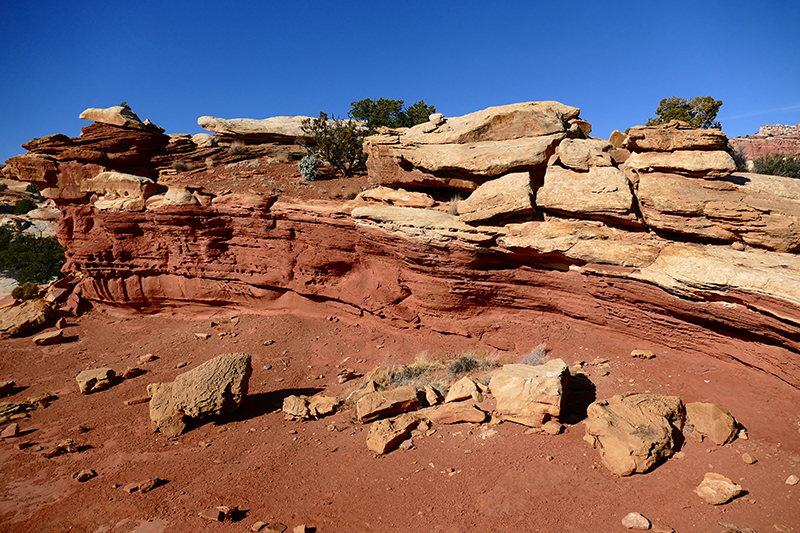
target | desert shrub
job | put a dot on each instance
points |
(309, 167)
(125, 106)
(390, 113)
(740, 160)
(29, 258)
(337, 141)
(237, 147)
(778, 165)
(699, 112)
(470, 363)
(26, 291)
(536, 356)
(3, 187)
(24, 206)
(180, 166)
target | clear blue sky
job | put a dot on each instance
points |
(174, 61)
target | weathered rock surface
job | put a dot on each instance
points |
(454, 413)
(635, 521)
(385, 435)
(717, 489)
(602, 192)
(463, 389)
(49, 337)
(306, 408)
(508, 195)
(675, 135)
(215, 387)
(634, 431)
(702, 163)
(121, 192)
(94, 380)
(398, 197)
(530, 395)
(582, 154)
(708, 420)
(760, 210)
(116, 116)
(755, 146)
(386, 403)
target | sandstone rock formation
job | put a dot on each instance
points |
(386, 403)
(217, 386)
(530, 395)
(274, 129)
(94, 380)
(634, 431)
(707, 420)
(19, 317)
(116, 116)
(385, 435)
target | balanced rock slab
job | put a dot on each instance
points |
(115, 115)
(217, 386)
(634, 431)
(530, 395)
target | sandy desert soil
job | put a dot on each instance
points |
(320, 473)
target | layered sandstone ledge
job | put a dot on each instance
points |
(652, 234)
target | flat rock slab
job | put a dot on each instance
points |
(634, 431)
(49, 337)
(511, 194)
(17, 318)
(386, 403)
(94, 380)
(385, 435)
(454, 413)
(600, 191)
(672, 136)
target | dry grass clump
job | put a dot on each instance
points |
(418, 374)
(536, 356)
(237, 147)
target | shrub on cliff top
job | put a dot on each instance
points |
(337, 141)
(390, 113)
(778, 165)
(699, 112)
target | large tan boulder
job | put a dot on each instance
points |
(581, 154)
(675, 135)
(386, 403)
(215, 387)
(708, 420)
(118, 191)
(634, 431)
(530, 395)
(700, 163)
(762, 211)
(508, 195)
(602, 191)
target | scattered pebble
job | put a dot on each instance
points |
(132, 372)
(635, 521)
(749, 459)
(202, 336)
(12, 430)
(181, 364)
(792, 480)
(642, 354)
(84, 475)
(147, 358)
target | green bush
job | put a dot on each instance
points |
(390, 113)
(25, 292)
(309, 167)
(337, 141)
(24, 206)
(699, 112)
(29, 258)
(778, 165)
(3, 187)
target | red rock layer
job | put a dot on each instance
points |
(261, 259)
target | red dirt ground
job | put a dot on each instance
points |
(462, 478)
(320, 473)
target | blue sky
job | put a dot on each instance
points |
(174, 61)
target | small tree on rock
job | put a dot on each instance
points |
(337, 141)
(390, 113)
(699, 112)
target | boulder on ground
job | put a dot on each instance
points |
(463, 389)
(49, 337)
(508, 195)
(386, 403)
(602, 191)
(95, 379)
(634, 431)
(717, 489)
(215, 387)
(530, 395)
(307, 408)
(19, 317)
(707, 420)
(385, 435)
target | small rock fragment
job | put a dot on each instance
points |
(150, 484)
(147, 358)
(85, 475)
(717, 489)
(463, 389)
(214, 515)
(258, 526)
(137, 401)
(275, 527)
(132, 372)
(635, 521)
(792, 480)
(202, 336)
(749, 459)
(300, 529)
(642, 354)
(61, 323)
(95, 380)
(21, 445)
(12, 430)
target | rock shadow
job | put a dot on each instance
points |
(581, 392)
(256, 405)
